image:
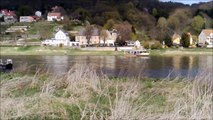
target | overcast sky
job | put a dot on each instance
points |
(187, 1)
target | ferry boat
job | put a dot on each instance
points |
(5, 67)
(136, 53)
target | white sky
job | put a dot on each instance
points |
(187, 1)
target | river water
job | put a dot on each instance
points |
(119, 66)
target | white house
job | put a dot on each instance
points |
(54, 16)
(61, 39)
(206, 36)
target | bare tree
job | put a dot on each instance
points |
(88, 33)
(104, 35)
(124, 30)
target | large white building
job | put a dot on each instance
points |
(206, 36)
(61, 39)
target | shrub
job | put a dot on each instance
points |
(156, 45)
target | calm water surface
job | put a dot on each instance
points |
(153, 66)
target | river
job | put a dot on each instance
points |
(119, 66)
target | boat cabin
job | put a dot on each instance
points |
(6, 67)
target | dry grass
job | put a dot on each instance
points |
(83, 94)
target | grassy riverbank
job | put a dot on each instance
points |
(82, 94)
(37, 50)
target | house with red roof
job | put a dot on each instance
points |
(26, 19)
(9, 16)
(54, 16)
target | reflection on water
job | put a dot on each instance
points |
(57, 64)
(154, 66)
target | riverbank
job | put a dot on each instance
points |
(82, 94)
(38, 50)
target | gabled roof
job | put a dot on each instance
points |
(8, 12)
(207, 31)
(175, 36)
(54, 14)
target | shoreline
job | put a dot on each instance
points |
(37, 50)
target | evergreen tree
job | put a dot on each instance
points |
(185, 40)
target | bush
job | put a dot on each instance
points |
(152, 44)
(156, 45)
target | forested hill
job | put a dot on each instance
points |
(155, 19)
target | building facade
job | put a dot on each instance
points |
(54, 16)
(61, 39)
(26, 19)
(206, 37)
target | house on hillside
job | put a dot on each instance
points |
(26, 19)
(54, 16)
(9, 16)
(61, 39)
(206, 37)
(81, 37)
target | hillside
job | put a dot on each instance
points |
(152, 19)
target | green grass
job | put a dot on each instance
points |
(95, 97)
(184, 51)
(37, 27)
(38, 50)
(27, 91)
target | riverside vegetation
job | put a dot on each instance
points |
(37, 50)
(81, 93)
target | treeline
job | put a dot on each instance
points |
(153, 19)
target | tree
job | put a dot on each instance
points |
(25, 10)
(109, 25)
(89, 29)
(162, 28)
(154, 12)
(168, 41)
(197, 23)
(124, 31)
(180, 19)
(103, 35)
(185, 40)
(112, 15)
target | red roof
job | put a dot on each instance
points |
(8, 12)
(54, 14)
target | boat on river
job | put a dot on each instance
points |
(136, 53)
(6, 66)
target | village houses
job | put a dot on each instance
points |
(110, 39)
(206, 37)
(82, 39)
